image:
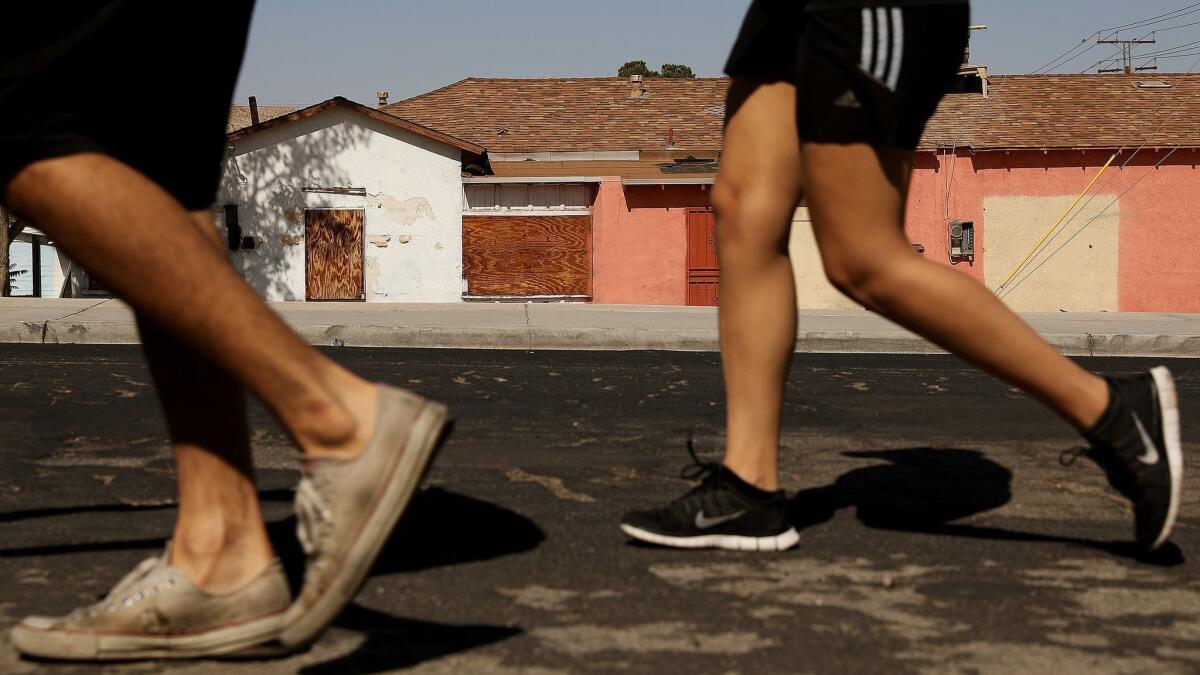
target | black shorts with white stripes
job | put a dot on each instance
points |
(863, 75)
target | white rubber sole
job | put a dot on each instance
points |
(84, 646)
(1169, 407)
(428, 433)
(729, 542)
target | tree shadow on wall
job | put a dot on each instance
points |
(268, 183)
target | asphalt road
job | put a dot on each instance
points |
(940, 533)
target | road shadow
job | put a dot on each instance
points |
(395, 644)
(925, 489)
(440, 528)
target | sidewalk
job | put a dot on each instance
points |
(593, 327)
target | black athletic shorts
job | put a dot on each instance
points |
(863, 74)
(147, 82)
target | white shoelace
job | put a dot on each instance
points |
(313, 516)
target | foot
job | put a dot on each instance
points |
(722, 512)
(347, 508)
(156, 612)
(1137, 443)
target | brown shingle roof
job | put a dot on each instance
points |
(665, 169)
(1071, 111)
(591, 114)
(239, 115)
(341, 102)
(574, 114)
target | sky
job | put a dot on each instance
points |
(306, 51)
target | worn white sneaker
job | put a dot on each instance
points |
(346, 509)
(156, 612)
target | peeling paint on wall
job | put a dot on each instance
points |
(380, 240)
(373, 277)
(290, 239)
(405, 212)
(404, 239)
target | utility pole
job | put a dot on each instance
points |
(1127, 55)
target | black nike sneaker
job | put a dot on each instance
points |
(1137, 443)
(722, 512)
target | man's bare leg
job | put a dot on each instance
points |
(857, 199)
(367, 445)
(140, 243)
(219, 539)
(755, 197)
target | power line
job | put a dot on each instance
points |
(1005, 291)
(1094, 218)
(1161, 18)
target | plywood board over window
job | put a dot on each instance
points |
(333, 254)
(527, 256)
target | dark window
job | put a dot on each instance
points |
(233, 230)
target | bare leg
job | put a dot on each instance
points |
(755, 197)
(139, 242)
(219, 538)
(857, 197)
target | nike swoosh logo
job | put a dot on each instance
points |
(705, 523)
(1150, 457)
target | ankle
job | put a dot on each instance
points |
(1090, 405)
(340, 431)
(220, 559)
(763, 478)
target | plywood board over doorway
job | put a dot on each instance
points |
(528, 256)
(703, 274)
(333, 254)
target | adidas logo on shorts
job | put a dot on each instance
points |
(847, 100)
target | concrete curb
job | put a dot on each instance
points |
(591, 327)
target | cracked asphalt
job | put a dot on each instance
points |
(940, 533)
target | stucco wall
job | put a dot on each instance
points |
(813, 290)
(640, 242)
(413, 205)
(1143, 249)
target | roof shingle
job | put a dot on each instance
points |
(594, 114)
(574, 114)
(239, 115)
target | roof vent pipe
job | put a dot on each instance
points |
(637, 86)
(383, 98)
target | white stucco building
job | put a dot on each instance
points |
(339, 201)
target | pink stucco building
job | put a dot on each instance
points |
(599, 189)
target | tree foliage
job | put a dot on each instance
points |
(676, 70)
(635, 68)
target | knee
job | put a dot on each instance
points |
(750, 219)
(859, 273)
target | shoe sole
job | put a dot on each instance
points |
(84, 646)
(728, 542)
(429, 432)
(1168, 404)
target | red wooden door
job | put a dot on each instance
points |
(703, 289)
(333, 254)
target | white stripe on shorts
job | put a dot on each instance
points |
(868, 39)
(893, 78)
(881, 43)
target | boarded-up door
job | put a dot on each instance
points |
(703, 288)
(333, 254)
(522, 256)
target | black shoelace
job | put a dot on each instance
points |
(698, 470)
(1071, 455)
